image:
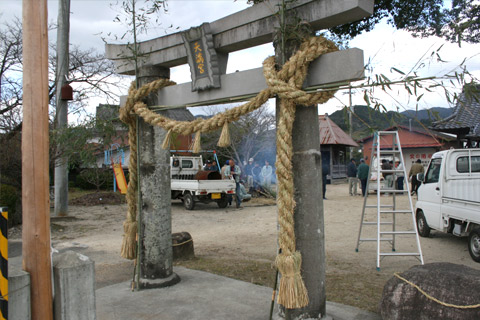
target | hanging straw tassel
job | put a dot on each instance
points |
(166, 141)
(197, 147)
(129, 240)
(224, 140)
(292, 293)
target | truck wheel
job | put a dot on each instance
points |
(188, 201)
(474, 244)
(422, 225)
(223, 203)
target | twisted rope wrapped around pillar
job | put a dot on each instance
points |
(287, 85)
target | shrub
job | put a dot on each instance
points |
(10, 197)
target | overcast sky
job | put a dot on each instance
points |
(384, 47)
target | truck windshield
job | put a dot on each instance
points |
(433, 171)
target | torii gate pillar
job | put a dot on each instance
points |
(155, 233)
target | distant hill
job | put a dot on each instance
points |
(433, 114)
(366, 120)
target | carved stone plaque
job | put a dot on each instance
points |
(202, 58)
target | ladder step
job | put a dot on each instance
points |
(391, 171)
(389, 151)
(399, 254)
(397, 232)
(396, 211)
(374, 223)
(375, 239)
(375, 206)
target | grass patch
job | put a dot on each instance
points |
(354, 289)
(360, 290)
(74, 193)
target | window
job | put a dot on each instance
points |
(463, 164)
(187, 164)
(433, 171)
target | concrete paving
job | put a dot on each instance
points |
(200, 296)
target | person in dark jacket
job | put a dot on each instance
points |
(325, 172)
(352, 178)
(362, 173)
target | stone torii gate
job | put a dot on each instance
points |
(247, 28)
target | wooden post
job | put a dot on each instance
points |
(35, 176)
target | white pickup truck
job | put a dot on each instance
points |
(191, 184)
(449, 197)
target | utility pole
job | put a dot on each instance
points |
(61, 162)
(350, 112)
(35, 176)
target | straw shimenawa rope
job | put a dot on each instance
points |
(450, 305)
(285, 84)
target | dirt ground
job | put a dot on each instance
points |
(245, 240)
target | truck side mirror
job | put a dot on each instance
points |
(420, 176)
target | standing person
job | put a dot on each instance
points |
(362, 173)
(400, 175)
(387, 175)
(412, 174)
(325, 173)
(266, 175)
(352, 177)
(256, 172)
(249, 174)
(233, 172)
(222, 171)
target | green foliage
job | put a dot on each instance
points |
(10, 197)
(425, 18)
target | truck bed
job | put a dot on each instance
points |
(210, 186)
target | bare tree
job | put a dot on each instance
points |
(252, 136)
(89, 73)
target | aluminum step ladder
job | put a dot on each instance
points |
(386, 144)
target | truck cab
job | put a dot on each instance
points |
(449, 197)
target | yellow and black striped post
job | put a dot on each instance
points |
(4, 264)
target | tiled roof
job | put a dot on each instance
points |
(330, 133)
(415, 137)
(466, 116)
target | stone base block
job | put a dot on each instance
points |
(19, 294)
(182, 245)
(74, 277)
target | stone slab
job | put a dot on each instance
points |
(247, 28)
(201, 295)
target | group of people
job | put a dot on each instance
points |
(254, 175)
(355, 174)
(258, 177)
